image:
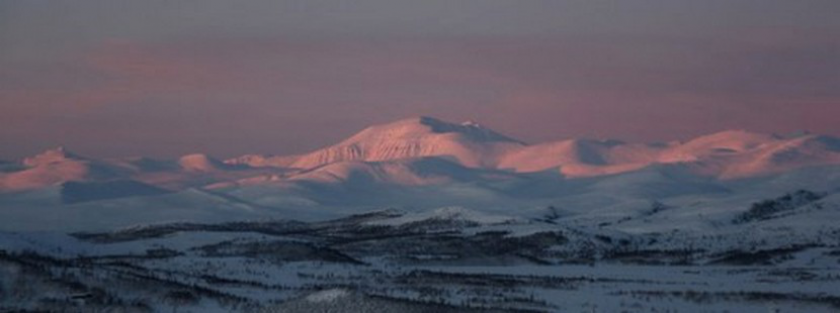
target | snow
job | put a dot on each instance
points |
(59, 154)
(421, 164)
(798, 282)
(327, 295)
(200, 162)
(463, 182)
(471, 145)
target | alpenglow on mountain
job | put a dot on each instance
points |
(425, 215)
(418, 162)
(728, 154)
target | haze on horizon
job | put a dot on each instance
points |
(160, 78)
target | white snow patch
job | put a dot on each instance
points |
(329, 295)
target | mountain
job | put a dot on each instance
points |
(726, 155)
(425, 162)
(408, 172)
(52, 156)
(717, 144)
(53, 167)
(581, 157)
(454, 214)
(426, 181)
(256, 160)
(57, 166)
(469, 143)
(740, 154)
(201, 163)
(395, 152)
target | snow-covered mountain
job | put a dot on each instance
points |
(201, 163)
(56, 166)
(424, 163)
(444, 213)
(469, 143)
(728, 154)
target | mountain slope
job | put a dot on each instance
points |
(579, 158)
(425, 162)
(727, 155)
(786, 155)
(200, 163)
(470, 144)
(53, 167)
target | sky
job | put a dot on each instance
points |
(166, 78)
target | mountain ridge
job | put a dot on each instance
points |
(401, 144)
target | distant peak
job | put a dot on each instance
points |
(199, 162)
(421, 126)
(737, 134)
(53, 155)
(736, 140)
(196, 156)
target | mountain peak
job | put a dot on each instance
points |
(53, 155)
(414, 137)
(198, 162)
(739, 133)
(735, 140)
(424, 126)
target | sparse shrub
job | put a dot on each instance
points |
(766, 209)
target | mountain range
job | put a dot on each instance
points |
(425, 215)
(419, 162)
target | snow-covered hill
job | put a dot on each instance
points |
(726, 155)
(468, 143)
(54, 167)
(423, 163)
(426, 215)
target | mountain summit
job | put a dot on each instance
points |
(424, 126)
(421, 150)
(55, 155)
(53, 167)
(198, 162)
(726, 154)
(469, 143)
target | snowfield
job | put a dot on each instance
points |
(444, 260)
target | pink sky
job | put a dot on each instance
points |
(143, 91)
